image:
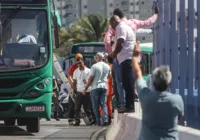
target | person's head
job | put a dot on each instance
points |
(77, 57)
(79, 60)
(114, 21)
(161, 77)
(99, 57)
(105, 59)
(119, 12)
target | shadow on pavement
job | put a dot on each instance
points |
(13, 131)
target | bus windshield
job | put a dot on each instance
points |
(24, 42)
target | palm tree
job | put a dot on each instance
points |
(93, 25)
(87, 29)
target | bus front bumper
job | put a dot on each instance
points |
(27, 108)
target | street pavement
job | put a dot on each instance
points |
(52, 130)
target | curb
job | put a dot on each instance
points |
(96, 134)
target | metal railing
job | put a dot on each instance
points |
(177, 44)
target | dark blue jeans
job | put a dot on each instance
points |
(99, 98)
(118, 78)
(128, 83)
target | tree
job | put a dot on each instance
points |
(87, 29)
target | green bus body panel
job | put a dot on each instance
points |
(44, 100)
(32, 78)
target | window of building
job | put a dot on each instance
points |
(136, 12)
(68, 14)
(85, 6)
(111, 5)
(132, 12)
(137, 3)
(143, 38)
(142, 2)
(131, 3)
(111, 13)
(124, 3)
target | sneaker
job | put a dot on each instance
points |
(70, 121)
(121, 110)
(57, 119)
(76, 123)
(129, 110)
(48, 119)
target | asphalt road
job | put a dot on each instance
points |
(53, 130)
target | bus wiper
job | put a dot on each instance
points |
(13, 14)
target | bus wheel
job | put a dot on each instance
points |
(9, 122)
(33, 125)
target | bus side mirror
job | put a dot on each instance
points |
(56, 31)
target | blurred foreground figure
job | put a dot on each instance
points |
(161, 109)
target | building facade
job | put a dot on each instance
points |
(71, 10)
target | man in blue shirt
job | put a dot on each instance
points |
(161, 110)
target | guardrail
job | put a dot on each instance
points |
(177, 44)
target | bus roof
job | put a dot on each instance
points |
(89, 43)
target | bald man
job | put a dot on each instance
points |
(123, 52)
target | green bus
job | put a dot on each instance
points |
(26, 69)
(89, 49)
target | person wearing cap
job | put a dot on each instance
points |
(98, 81)
(80, 78)
(70, 79)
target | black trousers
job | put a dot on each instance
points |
(115, 88)
(128, 83)
(71, 112)
(85, 101)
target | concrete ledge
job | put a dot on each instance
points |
(127, 127)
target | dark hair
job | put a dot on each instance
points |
(110, 60)
(119, 12)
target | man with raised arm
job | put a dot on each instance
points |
(136, 26)
(161, 110)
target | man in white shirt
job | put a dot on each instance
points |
(80, 77)
(123, 52)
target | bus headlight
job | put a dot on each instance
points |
(33, 93)
(40, 86)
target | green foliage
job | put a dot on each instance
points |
(87, 29)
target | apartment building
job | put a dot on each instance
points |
(71, 10)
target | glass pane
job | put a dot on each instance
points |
(145, 64)
(88, 49)
(24, 39)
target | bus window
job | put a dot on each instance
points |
(145, 64)
(88, 61)
(150, 58)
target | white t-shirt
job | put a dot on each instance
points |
(124, 31)
(82, 76)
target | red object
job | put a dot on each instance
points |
(72, 69)
(109, 97)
